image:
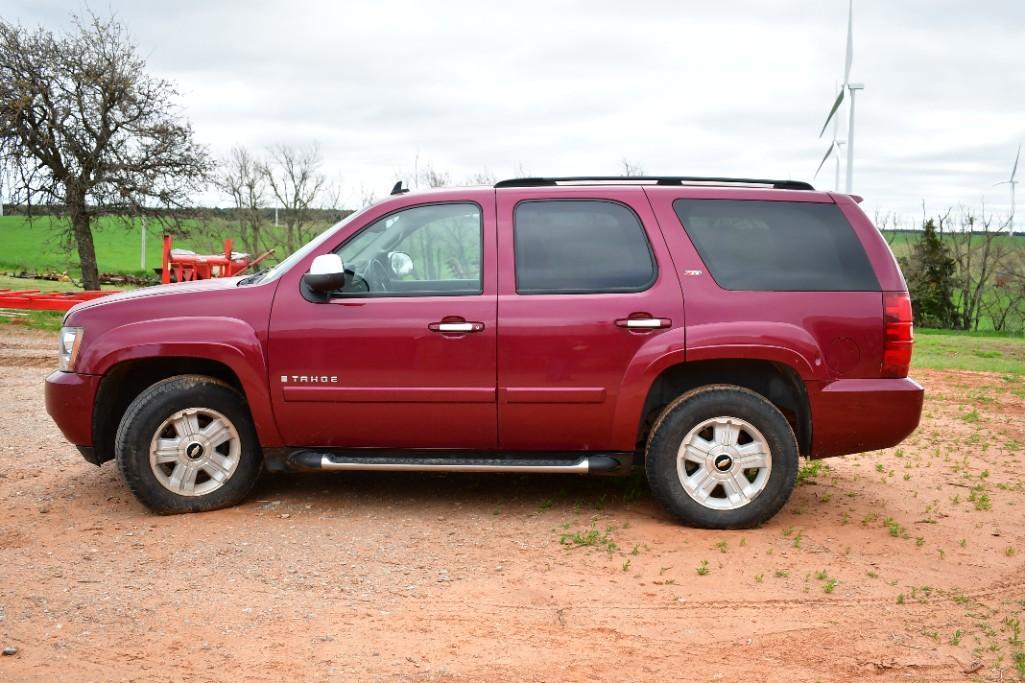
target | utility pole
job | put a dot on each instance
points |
(142, 245)
(853, 88)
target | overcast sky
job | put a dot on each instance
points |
(687, 88)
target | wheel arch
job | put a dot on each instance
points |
(778, 382)
(124, 381)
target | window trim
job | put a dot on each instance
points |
(411, 295)
(655, 270)
(708, 269)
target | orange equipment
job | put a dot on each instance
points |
(34, 300)
(182, 265)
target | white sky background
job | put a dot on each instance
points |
(679, 87)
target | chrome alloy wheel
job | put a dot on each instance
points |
(724, 463)
(195, 451)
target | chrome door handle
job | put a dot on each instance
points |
(456, 327)
(644, 323)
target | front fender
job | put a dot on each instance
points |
(781, 343)
(229, 341)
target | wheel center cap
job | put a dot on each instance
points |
(723, 463)
(194, 450)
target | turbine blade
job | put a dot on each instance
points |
(1014, 171)
(832, 112)
(822, 163)
(850, 43)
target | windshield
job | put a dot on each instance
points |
(283, 267)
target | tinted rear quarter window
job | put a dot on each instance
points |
(580, 246)
(776, 245)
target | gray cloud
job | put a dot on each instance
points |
(734, 88)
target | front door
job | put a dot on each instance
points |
(584, 284)
(404, 355)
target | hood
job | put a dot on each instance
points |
(176, 288)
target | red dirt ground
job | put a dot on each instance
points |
(898, 565)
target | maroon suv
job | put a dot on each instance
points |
(709, 329)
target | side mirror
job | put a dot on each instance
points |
(327, 274)
(401, 263)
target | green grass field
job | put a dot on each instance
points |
(40, 246)
(43, 245)
(17, 283)
(935, 350)
(902, 242)
(979, 351)
(49, 321)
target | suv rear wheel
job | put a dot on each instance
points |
(722, 457)
(187, 444)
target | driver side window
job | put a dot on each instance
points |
(428, 250)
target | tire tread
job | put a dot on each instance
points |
(755, 513)
(158, 500)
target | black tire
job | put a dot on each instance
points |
(160, 402)
(691, 410)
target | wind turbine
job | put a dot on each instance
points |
(1012, 182)
(836, 152)
(834, 147)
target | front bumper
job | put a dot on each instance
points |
(858, 415)
(69, 401)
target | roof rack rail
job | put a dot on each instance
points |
(657, 180)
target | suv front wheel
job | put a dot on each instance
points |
(187, 444)
(722, 457)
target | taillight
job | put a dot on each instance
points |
(899, 334)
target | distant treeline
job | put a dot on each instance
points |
(225, 213)
(965, 271)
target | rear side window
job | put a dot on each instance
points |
(777, 246)
(580, 246)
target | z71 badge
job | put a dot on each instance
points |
(309, 379)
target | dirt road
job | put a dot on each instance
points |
(907, 564)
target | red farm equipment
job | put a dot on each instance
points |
(179, 265)
(34, 300)
(182, 265)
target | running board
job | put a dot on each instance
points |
(308, 460)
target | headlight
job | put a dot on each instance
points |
(68, 341)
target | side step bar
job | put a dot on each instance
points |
(308, 460)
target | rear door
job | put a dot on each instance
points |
(584, 282)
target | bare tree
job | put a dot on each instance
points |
(888, 225)
(366, 196)
(331, 197)
(241, 177)
(89, 132)
(423, 174)
(429, 176)
(631, 169)
(1004, 302)
(297, 184)
(979, 255)
(482, 177)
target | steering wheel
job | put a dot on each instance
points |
(377, 275)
